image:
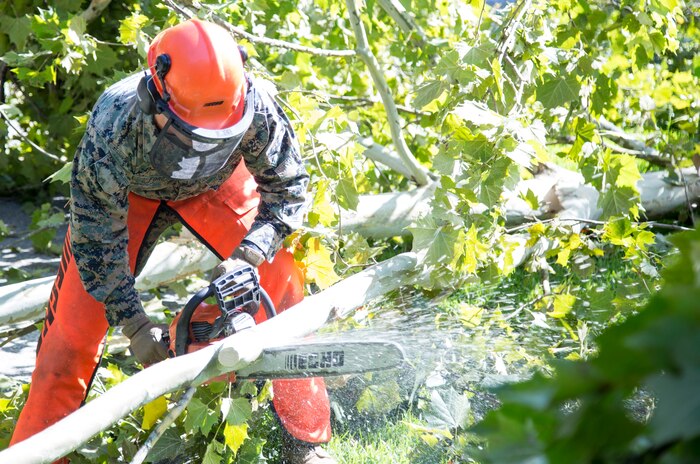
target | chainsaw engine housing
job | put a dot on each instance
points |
(200, 324)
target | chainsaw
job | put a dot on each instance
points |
(238, 297)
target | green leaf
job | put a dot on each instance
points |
(451, 66)
(448, 409)
(347, 194)
(562, 304)
(474, 250)
(239, 412)
(480, 55)
(251, 452)
(322, 211)
(62, 175)
(19, 30)
(247, 387)
(497, 77)
(23, 59)
(618, 231)
(213, 453)
(168, 446)
(199, 417)
(130, 28)
(428, 92)
(41, 240)
(557, 91)
(531, 199)
(379, 398)
(619, 201)
(438, 238)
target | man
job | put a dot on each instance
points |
(161, 147)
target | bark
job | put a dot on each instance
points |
(232, 353)
(381, 154)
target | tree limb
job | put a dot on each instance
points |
(240, 32)
(418, 173)
(94, 10)
(381, 154)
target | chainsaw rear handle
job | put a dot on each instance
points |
(183, 324)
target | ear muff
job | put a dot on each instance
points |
(147, 102)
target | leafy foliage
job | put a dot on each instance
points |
(583, 414)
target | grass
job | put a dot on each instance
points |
(384, 442)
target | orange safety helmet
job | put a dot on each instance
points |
(205, 84)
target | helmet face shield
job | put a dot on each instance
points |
(185, 152)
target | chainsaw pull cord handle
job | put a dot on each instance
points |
(182, 333)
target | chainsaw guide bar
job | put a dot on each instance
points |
(324, 359)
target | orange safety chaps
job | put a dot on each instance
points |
(73, 338)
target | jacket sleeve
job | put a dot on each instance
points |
(98, 228)
(281, 177)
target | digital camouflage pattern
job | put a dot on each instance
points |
(113, 160)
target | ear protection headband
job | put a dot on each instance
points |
(150, 101)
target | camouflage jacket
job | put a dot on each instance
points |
(113, 160)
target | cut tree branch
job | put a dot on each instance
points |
(561, 194)
(229, 355)
(418, 173)
(240, 32)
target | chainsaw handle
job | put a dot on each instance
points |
(182, 333)
(267, 304)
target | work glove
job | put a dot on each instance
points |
(146, 339)
(242, 256)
